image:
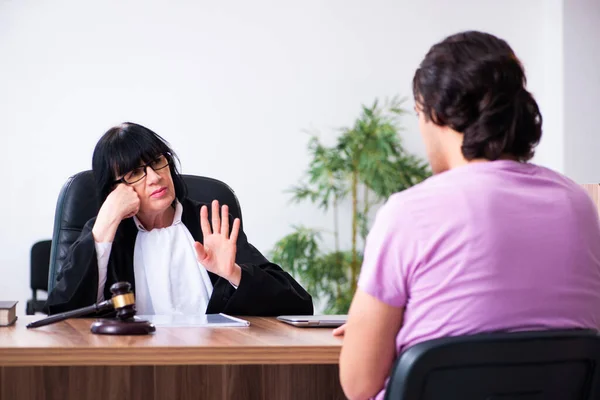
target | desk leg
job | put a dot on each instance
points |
(219, 382)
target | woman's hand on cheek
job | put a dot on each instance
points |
(123, 202)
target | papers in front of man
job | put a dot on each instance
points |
(8, 312)
(194, 321)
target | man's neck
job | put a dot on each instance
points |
(454, 158)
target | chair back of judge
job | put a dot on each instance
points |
(38, 266)
(540, 365)
(78, 202)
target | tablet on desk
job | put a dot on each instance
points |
(312, 321)
(195, 321)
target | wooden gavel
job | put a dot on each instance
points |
(122, 301)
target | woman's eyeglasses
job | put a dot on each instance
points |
(139, 173)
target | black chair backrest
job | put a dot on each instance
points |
(39, 264)
(78, 203)
(540, 365)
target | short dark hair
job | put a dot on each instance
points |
(473, 83)
(122, 148)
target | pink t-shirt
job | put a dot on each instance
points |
(488, 246)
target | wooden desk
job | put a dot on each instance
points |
(593, 190)
(268, 360)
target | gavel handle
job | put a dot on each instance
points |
(104, 305)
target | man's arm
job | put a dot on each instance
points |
(369, 347)
(377, 311)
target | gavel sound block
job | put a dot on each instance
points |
(122, 301)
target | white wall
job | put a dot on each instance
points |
(582, 89)
(548, 78)
(232, 85)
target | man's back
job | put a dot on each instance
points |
(492, 246)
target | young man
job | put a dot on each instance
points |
(491, 242)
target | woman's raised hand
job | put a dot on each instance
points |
(218, 250)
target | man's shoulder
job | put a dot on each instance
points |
(433, 189)
(565, 187)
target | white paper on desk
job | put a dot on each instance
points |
(206, 320)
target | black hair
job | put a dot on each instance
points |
(123, 148)
(473, 83)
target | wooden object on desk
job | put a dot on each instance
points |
(268, 360)
(593, 190)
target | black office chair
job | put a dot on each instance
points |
(542, 365)
(39, 262)
(78, 202)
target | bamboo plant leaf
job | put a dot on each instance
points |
(366, 165)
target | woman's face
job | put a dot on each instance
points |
(156, 190)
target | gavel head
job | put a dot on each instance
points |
(123, 300)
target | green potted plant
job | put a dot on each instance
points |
(365, 166)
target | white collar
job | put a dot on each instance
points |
(176, 217)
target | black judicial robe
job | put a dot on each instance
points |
(264, 290)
